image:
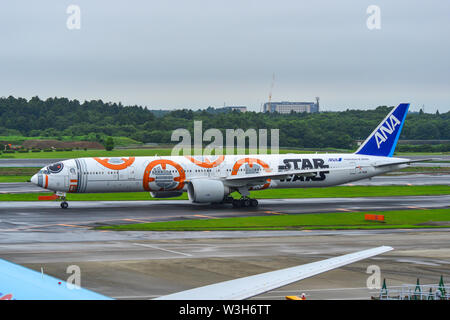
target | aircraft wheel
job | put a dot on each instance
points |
(64, 205)
(254, 202)
(246, 202)
(236, 203)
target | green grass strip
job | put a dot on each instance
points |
(4, 179)
(348, 220)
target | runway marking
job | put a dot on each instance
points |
(413, 207)
(203, 216)
(157, 248)
(274, 212)
(71, 225)
(135, 220)
(346, 210)
(33, 227)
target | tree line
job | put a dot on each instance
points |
(95, 120)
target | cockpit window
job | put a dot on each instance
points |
(55, 168)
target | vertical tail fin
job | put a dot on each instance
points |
(383, 140)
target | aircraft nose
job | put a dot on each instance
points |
(34, 179)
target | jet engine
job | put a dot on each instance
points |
(206, 191)
(166, 194)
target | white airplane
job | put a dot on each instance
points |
(20, 283)
(212, 179)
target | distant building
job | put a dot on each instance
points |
(285, 107)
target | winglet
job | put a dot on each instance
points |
(383, 140)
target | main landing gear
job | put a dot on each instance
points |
(244, 203)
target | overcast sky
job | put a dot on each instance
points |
(199, 53)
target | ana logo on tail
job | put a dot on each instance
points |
(388, 127)
(384, 138)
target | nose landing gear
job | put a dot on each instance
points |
(56, 196)
(64, 204)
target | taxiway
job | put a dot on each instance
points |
(22, 216)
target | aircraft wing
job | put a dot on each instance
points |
(247, 287)
(20, 283)
(262, 177)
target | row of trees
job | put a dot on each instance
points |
(95, 120)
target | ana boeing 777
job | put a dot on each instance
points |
(211, 179)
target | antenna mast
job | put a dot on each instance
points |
(270, 92)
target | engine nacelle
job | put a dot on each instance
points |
(166, 194)
(205, 190)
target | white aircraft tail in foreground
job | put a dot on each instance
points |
(20, 283)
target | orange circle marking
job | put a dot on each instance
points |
(207, 163)
(251, 162)
(163, 162)
(126, 163)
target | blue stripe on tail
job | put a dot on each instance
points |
(383, 139)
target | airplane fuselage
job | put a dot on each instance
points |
(171, 174)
